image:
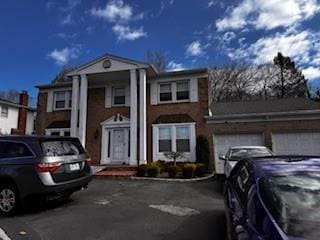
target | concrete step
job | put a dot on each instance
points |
(118, 168)
(115, 174)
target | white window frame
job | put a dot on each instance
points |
(6, 113)
(113, 95)
(187, 156)
(67, 98)
(61, 131)
(174, 91)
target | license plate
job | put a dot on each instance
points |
(74, 167)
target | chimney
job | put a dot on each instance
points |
(23, 112)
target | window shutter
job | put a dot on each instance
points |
(154, 93)
(49, 101)
(128, 95)
(108, 97)
(194, 90)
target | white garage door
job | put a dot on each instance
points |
(223, 142)
(296, 143)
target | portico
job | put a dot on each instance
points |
(117, 76)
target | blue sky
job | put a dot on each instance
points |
(39, 37)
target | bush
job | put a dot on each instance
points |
(200, 169)
(203, 150)
(161, 164)
(173, 171)
(142, 170)
(153, 170)
(188, 170)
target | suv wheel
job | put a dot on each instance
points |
(8, 199)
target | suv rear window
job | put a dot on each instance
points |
(61, 147)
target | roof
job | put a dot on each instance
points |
(14, 104)
(274, 165)
(182, 72)
(173, 118)
(59, 124)
(264, 106)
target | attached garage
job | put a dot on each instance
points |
(296, 143)
(222, 142)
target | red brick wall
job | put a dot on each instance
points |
(196, 110)
(44, 118)
(96, 114)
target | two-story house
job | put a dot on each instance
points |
(125, 112)
(16, 118)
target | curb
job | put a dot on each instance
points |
(174, 179)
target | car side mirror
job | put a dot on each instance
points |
(222, 157)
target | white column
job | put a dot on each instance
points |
(83, 109)
(75, 107)
(143, 116)
(133, 117)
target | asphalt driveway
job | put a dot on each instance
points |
(127, 209)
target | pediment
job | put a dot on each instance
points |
(107, 63)
(116, 120)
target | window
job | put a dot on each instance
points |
(58, 132)
(174, 91)
(14, 150)
(4, 111)
(63, 100)
(183, 138)
(165, 92)
(183, 90)
(164, 139)
(119, 96)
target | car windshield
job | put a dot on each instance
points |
(61, 147)
(294, 202)
(238, 154)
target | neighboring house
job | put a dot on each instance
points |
(125, 112)
(287, 126)
(16, 118)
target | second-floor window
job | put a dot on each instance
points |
(62, 100)
(174, 91)
(4, 111)
(119, 96)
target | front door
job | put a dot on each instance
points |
(119, 145)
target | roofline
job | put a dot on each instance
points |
(16, 105)
(139, 64)
(260, 116)
(182, 72)
(54, 85)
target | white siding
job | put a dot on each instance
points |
(30, 123)
(6, 123)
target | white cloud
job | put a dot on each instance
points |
(67, 20)
(115, 10)
(63, 56)
(311, 72)
(173, 66)
(211, 3)
(295, 45)
(124, 32)
(194, 49)
(268, 14)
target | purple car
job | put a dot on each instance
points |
(273, 198)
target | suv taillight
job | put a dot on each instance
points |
(48, 167)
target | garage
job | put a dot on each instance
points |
(222, 142)
(296, 143)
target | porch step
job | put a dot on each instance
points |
(118, 168)
(116, 171)
(115, 174)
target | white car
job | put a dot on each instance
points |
(235, 154)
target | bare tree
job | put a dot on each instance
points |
(158, 59)
(61, 76)
(11, 95)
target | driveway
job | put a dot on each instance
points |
(126, 209)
